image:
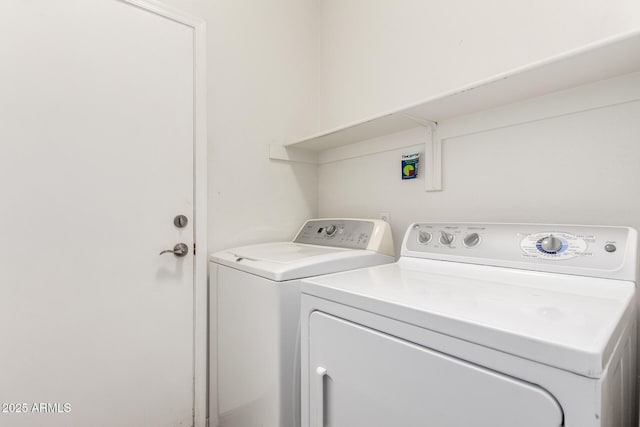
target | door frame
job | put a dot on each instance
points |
(200, 297)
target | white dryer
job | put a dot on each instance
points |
(254, 370)
(484, 325)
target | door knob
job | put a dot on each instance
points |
(178, 250)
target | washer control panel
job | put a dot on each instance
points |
(342, 233)
(558, 248)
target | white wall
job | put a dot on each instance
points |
(378, 55)
(580, 167)
(263, 63)
(262, 73)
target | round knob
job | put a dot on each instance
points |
(550, 244)
(424, 237)
(331, 230)
(180, 221)
(446, 238)
(471, 240)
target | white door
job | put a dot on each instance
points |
(363, 378)
(96, 159)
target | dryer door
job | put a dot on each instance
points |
(360, 377)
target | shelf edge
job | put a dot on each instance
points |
(292, 154)
(401, 113)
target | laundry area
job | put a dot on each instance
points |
(310, 213)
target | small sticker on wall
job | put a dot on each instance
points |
(410, 165)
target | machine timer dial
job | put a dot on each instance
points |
(446, 238)
(471, 240)
(554, 246)
(550, 244)
(331, 230)
(424, 237)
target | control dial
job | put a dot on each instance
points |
(424, 237)
(471, 240)
(556, 246)
(331, 230)
(446, 238)
(550, 244)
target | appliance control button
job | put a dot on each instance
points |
(471, 240)
(424, 237)
(331, 230)
(446, 238)
(609, 247)
(550, 244)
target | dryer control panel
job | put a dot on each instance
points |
(598, 251)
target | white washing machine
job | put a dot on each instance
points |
(254, 373)
(484, 325)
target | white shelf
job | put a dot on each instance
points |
(599, 61)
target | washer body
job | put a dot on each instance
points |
(491, 325)
(254, 370)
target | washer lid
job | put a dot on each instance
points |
(288, 260)
(570, 322)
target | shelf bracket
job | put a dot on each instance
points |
(292, 154)
(419, 120)
(433, 154)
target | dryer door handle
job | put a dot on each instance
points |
(321, 373)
